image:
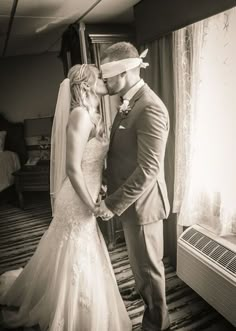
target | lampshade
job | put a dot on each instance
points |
(41, 126)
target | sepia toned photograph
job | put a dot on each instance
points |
(117, 165)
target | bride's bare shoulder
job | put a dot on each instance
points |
(79, 123)
(78, 114)
(78, 110)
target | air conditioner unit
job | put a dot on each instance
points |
(207, 263)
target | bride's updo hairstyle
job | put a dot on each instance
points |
(83, 79)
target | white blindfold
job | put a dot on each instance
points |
(115, 68)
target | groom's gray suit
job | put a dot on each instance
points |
(137, 194)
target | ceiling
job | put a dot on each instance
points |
(37, 25)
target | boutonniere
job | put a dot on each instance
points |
(124, 108)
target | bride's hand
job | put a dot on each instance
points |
(104, 212)
(96, 209)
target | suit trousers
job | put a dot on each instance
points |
(145, 250)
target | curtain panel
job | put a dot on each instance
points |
(159, 76)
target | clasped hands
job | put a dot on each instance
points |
(102, 211)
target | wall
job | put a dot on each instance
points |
(29, 85)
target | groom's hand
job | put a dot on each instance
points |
(104, 212)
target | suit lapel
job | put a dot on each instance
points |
(137, 96)
(119, 118)
(115, 125)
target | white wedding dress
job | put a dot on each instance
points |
(69, 284)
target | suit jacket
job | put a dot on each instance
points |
(135, 163)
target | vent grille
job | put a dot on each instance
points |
(211, 248)
(232, 266)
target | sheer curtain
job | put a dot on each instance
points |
(205, 163)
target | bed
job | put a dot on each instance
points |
(13, 152)
(9, 163)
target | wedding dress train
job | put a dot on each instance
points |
(68, 284)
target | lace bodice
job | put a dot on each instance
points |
(71, 213)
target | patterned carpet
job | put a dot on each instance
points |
(21, 230)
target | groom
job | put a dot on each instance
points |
(137, 191)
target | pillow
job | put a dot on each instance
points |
(2, 140)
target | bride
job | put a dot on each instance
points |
(69, 284)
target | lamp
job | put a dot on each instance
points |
(40, 129)
(41, 126)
